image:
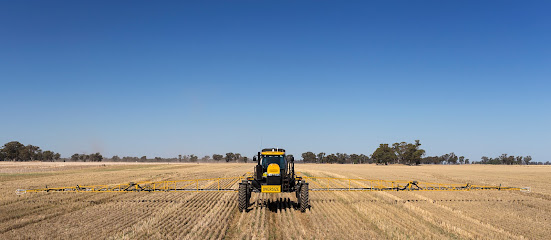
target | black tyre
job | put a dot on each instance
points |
(243, 197)
(248, 195)
(304, 201)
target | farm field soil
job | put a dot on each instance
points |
(214, 215)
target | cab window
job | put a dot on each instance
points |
(267, 160)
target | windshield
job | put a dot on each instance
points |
(267, 160)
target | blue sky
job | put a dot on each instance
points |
(144, 78)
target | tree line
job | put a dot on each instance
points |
(228, 157)
(94, 157)
(16, 151)
(507, 160)
(397, 153)
(310, 157)
(410, 154)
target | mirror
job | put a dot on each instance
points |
(254, 158)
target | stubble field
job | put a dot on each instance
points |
(214, 215)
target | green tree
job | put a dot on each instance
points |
(16, 151)
(384, 154)
(193, 158)
(452, 158)
(527, 160)
(11, 150)
(400, 149)
(408, 153)
(355, 158)
(484, 160)
(230, 157)
(414, 153)
(75, 157)
(331, 158)
(320, 156)
(309, 157)
(48, 156)
(31, 153)
(364, 159)
(94, 157)
(217, 157)
(342, 158)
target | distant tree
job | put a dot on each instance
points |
(245, 159)
(205, 158)
(94, 157)
(237, 157)
(355, 158)
(11, 150)
(527, 160)
(230, 157)
(320, 156)
(467, 161)
(57, 156)
(505, 159)
(462, 160)
(16, 151)
(331, 158)
(400, 150)
(384, 154)
(342, 158)
(29, 153)
(364, 159)
(484, 160)
(116, 158)
(143, 158)
(217, 157)
(75, 157)
(408, 153)
(48, 156)
(414, 153)
(309, 157)
(193, 158)
(451, 158)
(519, 160)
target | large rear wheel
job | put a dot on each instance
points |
(304, 201)
(243, 197)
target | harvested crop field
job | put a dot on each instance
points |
(214, 215)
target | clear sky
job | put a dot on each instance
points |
(201, 77)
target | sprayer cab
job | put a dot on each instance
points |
(274, 172)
